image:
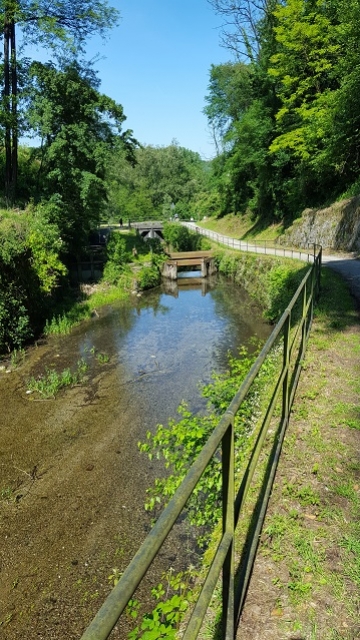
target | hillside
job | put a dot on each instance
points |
(336, 227)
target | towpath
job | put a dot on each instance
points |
(346, 264)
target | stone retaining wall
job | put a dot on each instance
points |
(336, 227)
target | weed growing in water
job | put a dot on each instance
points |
(17, 357)
(49, 385)
(62, 324)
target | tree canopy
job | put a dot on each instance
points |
(287, 117)
(163, 181)
(62, 26)
(78, 126)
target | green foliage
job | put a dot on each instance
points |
(78, 126)
(162, 182)
(272, 282)
(114, 577)
(282, 282)
(15, 326)
(61, 324)
(172, 597)
(63, 27)
(17, 357)
(49, 384)
(148, 277)
(6, 494)
(286, 121)
(30, 270)
(229, 96)
(118, 257)
(181, 238)
(123, 250)
(45, 244)
(180, 442)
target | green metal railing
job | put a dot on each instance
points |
(291, 335)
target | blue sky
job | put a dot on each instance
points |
(156, 64)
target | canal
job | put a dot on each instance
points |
(72, 481)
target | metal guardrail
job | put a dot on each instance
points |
(290, 335)
(258, 247)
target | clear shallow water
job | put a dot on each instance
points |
(169, 341)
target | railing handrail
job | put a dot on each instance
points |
(265, 247)
(223, 434)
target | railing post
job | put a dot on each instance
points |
(228, 520)
(286, 362)
(318, 273)
(304, 314)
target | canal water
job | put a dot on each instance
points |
(72, 465)
(170, 340)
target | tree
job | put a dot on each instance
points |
(50, 24)
(230, 94)
(164, 181)
(180, 238)
(78, 127)
(305, 70)
(340, 157)
(241, 33)
(294, 139)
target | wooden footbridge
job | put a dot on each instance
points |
(201, 260)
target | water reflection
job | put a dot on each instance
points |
(171, 339)
(189, 280)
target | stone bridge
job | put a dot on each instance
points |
(148, 229)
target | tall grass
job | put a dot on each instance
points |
(63, 323)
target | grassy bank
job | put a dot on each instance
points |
(131, 267)
(244, 227)
(270, 281)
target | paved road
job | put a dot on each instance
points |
(346, 264)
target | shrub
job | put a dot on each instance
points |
(148, 277)
(181, 238)
(30, 269)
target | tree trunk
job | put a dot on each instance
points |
(14, 141)
(8, 158)
(10, 109)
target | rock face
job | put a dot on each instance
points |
(336, 227)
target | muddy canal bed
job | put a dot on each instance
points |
(72, 481)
